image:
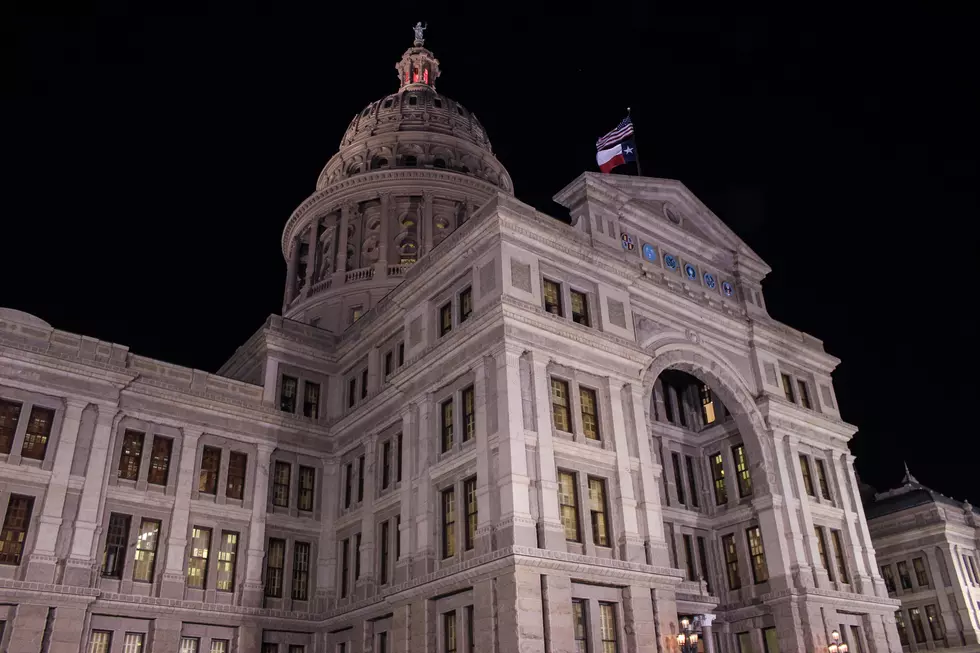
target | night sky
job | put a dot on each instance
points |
(152, 160)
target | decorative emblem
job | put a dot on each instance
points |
(672, 215)
(691, 273)
(627, 241)
(649, 253)
(727, 289)
(709, 280)
(670, 261)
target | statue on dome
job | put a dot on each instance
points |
(419, 35)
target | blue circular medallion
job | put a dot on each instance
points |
(691, 273)
(727, 288)
(649, 253)
(670, 261)
(709, 280)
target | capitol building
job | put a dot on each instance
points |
(475, 428)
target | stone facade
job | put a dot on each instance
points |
(927, 546)
(474, 428)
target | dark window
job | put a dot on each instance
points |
(38, 432)
(116, 541)
(459, 110)
(287, 394)
(889, 576)
(227, 555)
(445, 319)
(731, 561)
(160, 460)
(449, 632)
(383, 642)
(385, 464)
(9, 416)
(311, 400)
(301, 571)
(344, 567)
(398, 464)
(387, 104)
(580, 308)
(465, 304)
(691, 482)
(936, 626)
(470, 630)
(822, 479)
(360, 478)
(383, 558)
(718, 476)
(307, 484)
(197, 564)
(760, 572)
(921, 577)
(364, 383)
(678, 479)
(469, 414)
(437, 102)
(413, 100)
(237, 467)
(449, 522)
(357, 556)
(903, 633)
(822, 550)
(446, 424)
(804, 394)
(839, 553)
(668, 404)
(788, 388)
(351, 391)
(378, 162)
(560, 410)
(275, 561)
(807, 478)
(411, 161)
(552, 297)
(146, 551)
(210, 464)
(389, 356)
(132, 452)
(703, 558)
(469, 495)
(742, 471)
(398, 537)
(439, 163)
(590, 413)
(280, 484)
(692, 570)
(401, 354)
(348, 484)
(917, 629)
(903, 575)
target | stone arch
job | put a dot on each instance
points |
(724, 380)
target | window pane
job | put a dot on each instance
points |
(275, 561)
(237, 468)
(447, 425)
(580, 308)
(580, 626)
(307, 485)
(465, 304)
(188, 645)
(590, 415)
(38, 432)
(210, 464)
(383, 557)
(559, 405)
(469, 414)
(117, 538)
(132, 452)
(760, 572)
(15, 525)
(449, 632)
(301, 571)
(692, 482)
(788, 388)
(287, 394)
(219, 646)
(280, 487)
(469, 494)
(607, 624)
(197, 563)
(9, 416)
(146, 551)
(770, 640)
(552, 298)
(568, 500)
(822, 479)
(597, 506)
(731, 561)
(227, 556)
(133, 643)
(807, 480)
(311, 400)
(718, 476)
(678, 479)
(160, 460)
(448, 523)
(100, 641)
(839, 552)
(742, 471)
(445, 319)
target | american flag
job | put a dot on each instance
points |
(623, 130)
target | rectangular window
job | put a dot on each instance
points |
(227, 555)
(580, 308)
(692, 572)
(398, 537)
(116, 542)
(401, 354)
(597, 507)
(237, 468)
(38, 432)
(469, 414)
(189, 644)
(132, 453)
(219, 646)
(357, 556)
(822, 550)
(903, 575)
(973, 569)
(760, 572)
(9, 416)
(445, 318)
(675, 459)
(770, 641)
(307, 485)
(744, 641)
(692, 482)
(146, 551)
(935, 626)
(788, 388)
(360, 478)
(446, 424)
(742, 471)
(916, 617)
(15, 525)
(804, 394)
(344, 567)
(903, 633)
(449, 522)
(559, 405)
(470, 630)
(364, 383)
(301, 571)
(703, 559)
(707, 405)
(568, 500)
(608, 628)
(921, 577)
(275, 562)
(465, 304)
(160, 460)
(590, 413)
(822, 479)
(383, 562)
(348, 484)
(287, 394)
(197, 564)
(382, 642)
(133, 643)
(807, 479)
(552, 298)
(210, 464)
(718, 476)
(100, 641)
(385, 464)
(311, 400)
(889, 576)
(580, 625)
(398, 459)
(469, 494)
(731, 561)
(351, 391)
(839, 553)
(389, 363)
(280, 484)
(449, 632)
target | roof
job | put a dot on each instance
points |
(910, 494)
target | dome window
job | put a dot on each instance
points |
(439, 163)
(387, 104)
(366, 111)
(354, 169)
(379, 162)
(438, 103)
(412, 100)
(459, 109)
(411, 161)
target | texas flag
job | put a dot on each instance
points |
(616, 155)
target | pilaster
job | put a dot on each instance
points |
(515, 525)
(631, 545)
(423, 555)
(484, 524)
(859, 550)
(327, 547)
(341, 273)
(551, 532)
(311, 250)
(649, 506)
(410, 440)
(365, 585)
(172, 584)
(804, 543)
(253, 589)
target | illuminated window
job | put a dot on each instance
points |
(287, 394)
(237, 469)
(100, 641)
(718, 475)
(9, 416)
(590, 416)
(355, 313)
(189, 644)
(822, 550)
(807, 480)
(707, 404)
(742, 471)
(219, 646)
(425, 75)
(445, 319)
(38, 432)
(469, 414)
(446, 422)
(227, 555)
(889, 576)
(465, 304)
(916, 617)
(280, 484)
(197, 564)
(597, 507)
(132, 452)
(559, 405)
(935, 625)
(449, 632)
(580, 625)
(449, 522)
(311, 400)
(770, 641)
(760, 572)
(210, 464)
(903, 575)
(822, 479)
(692, 482)
(568, 501)
(146, 551)
(307, 483)
(275, 561)
(133, 643)
(921, 577)
(839, 553)
(116, 542)
(580, 308)
(731, 561)
(301, 571)
(469, 495)
(608, 628)
(160, 460)
(788, 388)
(552, 297)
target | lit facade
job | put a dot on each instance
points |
(474, 428)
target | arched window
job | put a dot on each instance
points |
(354, 169)
(366, 111)
(438, 103)
(439, 163)
(459, 109)
(412, 100)
(379, 162)
(463, 168)
(387, 104)
(411, 161)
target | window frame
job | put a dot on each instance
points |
(35, 446)
(447, 510)
(730, 550)
(274, 575)
(237, 476)
(465, 299)
(822, 481)
(204, 474)
(468, 401)
(609, 634)
(447, 424)
(194, 555)
(840, 553)
(743, 473)
(808, 486)
(288, 391)
(599, 517)
(593, 398)
(281, 488)
(566, 508)
(151, 552)
(300, 587)
(471, 513)
(692, 481)
(155, 469)
(229, 559)
(717, 463)
(757, 555)
(311, 408)
(548, 305)
(561, 409)
(306, 496)
(130, 460)
(118, 547)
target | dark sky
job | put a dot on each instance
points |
(153, 159)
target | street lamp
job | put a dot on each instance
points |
(687, 639)
(836, 646)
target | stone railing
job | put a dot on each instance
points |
(323, 284)
(398, 270)
(361, 274)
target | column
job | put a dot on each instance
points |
(864, 535)
(556, 603)
(484, 613)
(292, 265)
(172, 584)
(381, 271)
(426, 222)
(81, 561)
(27, 628)
(42, 563)
(311, 256)
(707, 635)
(631, 544)
(253, 589)
(341, 272)
(641, 630)
(326, 568)
(550, 526)
(484, 525)
(403, 566)
(861, 580)
(515, 525)
(520, 617)
(423, 555)
(366, 582)
(649, 505)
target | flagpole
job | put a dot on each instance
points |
(639, 172)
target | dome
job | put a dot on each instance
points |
(20, 317)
